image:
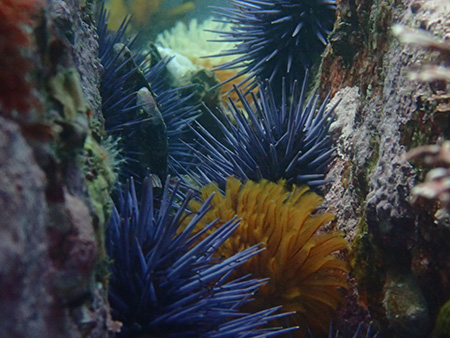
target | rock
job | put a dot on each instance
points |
(443, 321)
(24, 262)
(405, 305)
(372, 183)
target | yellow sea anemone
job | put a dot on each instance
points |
(305, 276)
(194, 41)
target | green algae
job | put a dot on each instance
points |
(364, 259)
(442, 327)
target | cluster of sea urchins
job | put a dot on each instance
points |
(165, 281)
(180, 267)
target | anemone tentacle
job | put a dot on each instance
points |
(300, 258)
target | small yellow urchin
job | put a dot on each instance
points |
(304, 275)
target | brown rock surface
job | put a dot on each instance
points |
(385, 114)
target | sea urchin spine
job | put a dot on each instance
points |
(269, 141)
(275, 38)
(167, 282)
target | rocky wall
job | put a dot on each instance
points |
(50, 247)
(398, 249)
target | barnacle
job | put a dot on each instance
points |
(437, 180)
(422, 38)
(275, 39)
(168, 282)
(176, 110)
(265, 140)
(305, 275)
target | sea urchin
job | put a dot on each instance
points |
(268, 141)
(275, 38)
(169, 283)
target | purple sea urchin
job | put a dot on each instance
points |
(139, 107)
(124, 119)
(275, 38)
(268, 141)
(167, 282)
(117, 97)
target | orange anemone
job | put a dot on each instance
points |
(306, 275)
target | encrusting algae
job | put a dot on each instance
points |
(305, 275)
(443, 321)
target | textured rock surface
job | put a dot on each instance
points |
(342, 197)
(379, 120)
(73, 19)
(48, 242)
(406, 307)
(24, 291)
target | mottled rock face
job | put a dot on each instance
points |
(47, 251)
(24, 309)
(341, 197)
(394, 242)
(73, 18)
(48, 242)
(406, 306)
